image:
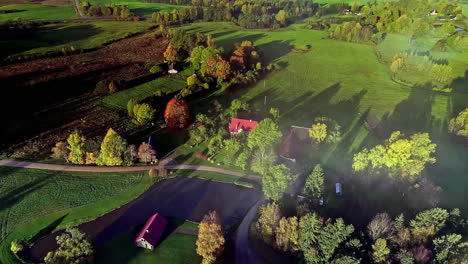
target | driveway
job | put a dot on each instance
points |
(184, 198)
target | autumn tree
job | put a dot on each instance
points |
(313, 186)
(216, 67)
(200, 55)
(281, 17)
(318, 132)
(177, 114)
(210, 241)
(143, 113)
(287, 234)
(113, 147)
(380, 251)
(16, 246)
(74, 247)
(171, 54)
(146, 153)
(60, 151)
(402, 158)
(276, 181)
(192, 80)
(268, 221)
(381, 226)
(76, 142)
(459, 125)
(244, 55)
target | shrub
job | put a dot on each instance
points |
(17, 246)
(156, 69)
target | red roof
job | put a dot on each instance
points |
(237, 125)
(153, 229)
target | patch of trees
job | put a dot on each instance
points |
(141, 113)
(459, 124)
(252, 14)
(354, 32)
(326, 130)
(401, 158)
(120, 12)
(457, 42)
(440, 75)
(432, 235)
(74, 247)
(177, 114)
(112, 151)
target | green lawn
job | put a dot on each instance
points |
(141, 8)
(54, 37)
(37, 12)
(36, 202)
(120, 99)
(175, 249)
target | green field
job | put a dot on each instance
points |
(120, 99)
(54, 37)
(140, 8)
(175, 249)
(36, 202)
(37, 12)
(343, 81)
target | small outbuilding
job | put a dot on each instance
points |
(171, 69)
(238, 125)
(151, 232)
(294, 143)
(338, 188)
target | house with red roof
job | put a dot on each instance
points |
(238, 125)
(151, 232)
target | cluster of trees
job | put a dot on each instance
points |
(251, 14)
(401, 158)
(74, 247)
(177, 114)
(325, 129)
(457, 42)
(354, 32)
(433, 235)
(111, 10)
(409, 17)
(439, 74)
(210, 241)
(113, 150)
(459, 125)
(141, 113)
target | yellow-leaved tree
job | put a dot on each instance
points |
(210, 242)
(112, 149)
(318, 132)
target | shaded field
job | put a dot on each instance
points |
(140, 92)
(181, 198)
(54, 37)
(37, 12)
(36, 202)
(347, 82)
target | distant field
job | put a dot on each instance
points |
(37, 12)
(120, 99)
(362, 2)
(140, 8)
(35, 201)
(54, 37)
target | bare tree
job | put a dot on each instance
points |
(381, 226)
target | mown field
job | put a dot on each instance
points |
(346, 81)
(120, 99)
(140, 8)
(54, 37)
(35, 202)
(37, 12)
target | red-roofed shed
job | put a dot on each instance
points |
(238, 125)
(151, 232)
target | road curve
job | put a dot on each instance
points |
(76, 168)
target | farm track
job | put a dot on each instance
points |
(71, 168)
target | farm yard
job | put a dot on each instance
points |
(330, 119)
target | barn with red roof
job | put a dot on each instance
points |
(238, 125)
(151, 232)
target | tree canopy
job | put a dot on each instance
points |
(459, 125)
(210, 241)
(313, 186)
(276, 181)
(112, 149)
(74, 248)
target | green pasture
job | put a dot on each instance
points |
(54, 37)
(37, 12)
(175, 249)
(140, 8)
(346, 81)
(37, 202)
(120, 99)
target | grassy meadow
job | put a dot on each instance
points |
(120, 99)
(140, 8)
(345, 81)
(37, 202)
(54, 37)
(37, 12)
